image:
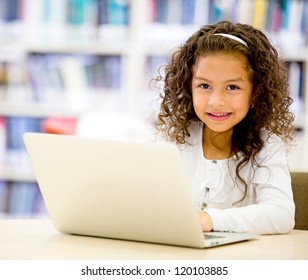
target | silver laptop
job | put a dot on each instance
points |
(118, 189)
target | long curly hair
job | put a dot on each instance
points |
(270, 95)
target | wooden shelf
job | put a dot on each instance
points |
(134, 43)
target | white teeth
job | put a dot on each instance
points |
(220, 115)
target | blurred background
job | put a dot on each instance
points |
(83, 67)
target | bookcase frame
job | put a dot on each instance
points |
(134, 51)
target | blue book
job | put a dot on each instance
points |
(188, 11)
(11, 9)
(270, 14)
(285, 7)
(16, 127)
(161, 11)
(22, 199)
(115, 71)
(216, 11)
(75, 12)
(46, 8)
(304, 20)
(102, 12)
(118, 12)
(3, 197)
(301, 82)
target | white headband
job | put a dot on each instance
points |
(233, 38)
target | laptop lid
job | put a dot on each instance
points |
(116, 189)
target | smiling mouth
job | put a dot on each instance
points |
(219, 116)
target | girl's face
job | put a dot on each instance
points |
(221, 90)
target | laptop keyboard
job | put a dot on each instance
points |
(212, 236)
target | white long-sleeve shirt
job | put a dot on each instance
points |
(268, 207)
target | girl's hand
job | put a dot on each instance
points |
(205, 221)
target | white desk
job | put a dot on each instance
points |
(37, 239)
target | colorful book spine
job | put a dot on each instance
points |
(188, 12)
(24, 200)
(3, 141)
(285, 18)
(56, 77)
(52, 20)
(118, 12)
(3, 197)
(296, 81)
(259, 16)
(202, 12)
(16, 154)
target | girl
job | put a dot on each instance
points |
(225, 103)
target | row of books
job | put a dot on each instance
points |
(57, 17)
(54, 77)
(12, 148)
(287, 19)
(297, 87)
(70, 11)
(21, 200)
(58, 79)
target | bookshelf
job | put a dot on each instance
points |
(63, 59)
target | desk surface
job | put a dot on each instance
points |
(37, 239)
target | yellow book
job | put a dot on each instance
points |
(259, 14)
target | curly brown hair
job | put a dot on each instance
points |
(270, 96)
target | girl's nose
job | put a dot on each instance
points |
(217, 98)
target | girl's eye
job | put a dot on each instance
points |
(204, 86)
(232, 87)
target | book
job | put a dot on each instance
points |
(293, 31)
(160, 11)
(118, 12)
(22, 199)
(174, 10)
(274, 16)
(188, 12)
(3, 141)
(259, 15)
(245, 10)
(54, 19)
(296, 74)
(202, 12)
(16, 154)
(32, 20)
(58, 125)
(3, 197)
(17, 87)
(73, 79)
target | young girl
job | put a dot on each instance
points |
(225, 103)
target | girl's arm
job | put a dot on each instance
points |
(274, 209)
